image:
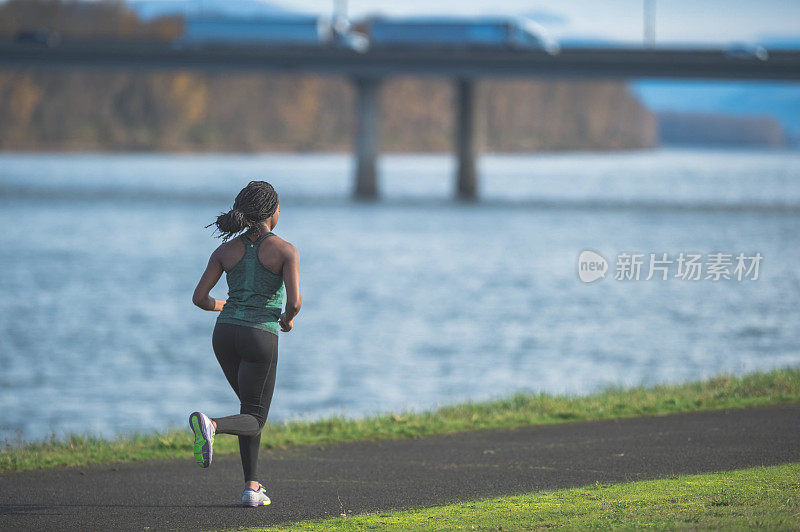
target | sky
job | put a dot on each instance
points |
(696, 21)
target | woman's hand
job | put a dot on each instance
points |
(209, 303)
(286, 322)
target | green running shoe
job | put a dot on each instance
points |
(203, 438)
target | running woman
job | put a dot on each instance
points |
(258, 264)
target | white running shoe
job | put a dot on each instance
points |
(252, 498)
(203, 438)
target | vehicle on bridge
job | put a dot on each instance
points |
(287, 32)
(450, 32)
(747, 51)
(38, 37)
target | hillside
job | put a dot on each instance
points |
(188, 111)
(780, 101)
(704, 129)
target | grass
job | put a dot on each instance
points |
(763, 497)
(773, 387)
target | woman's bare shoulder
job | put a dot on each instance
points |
(286, 248)
(226, 248)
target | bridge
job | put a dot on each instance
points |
(367, 70)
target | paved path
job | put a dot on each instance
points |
(319, 482)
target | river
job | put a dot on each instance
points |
(409, 303)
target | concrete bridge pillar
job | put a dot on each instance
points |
(466, 179)
(366, 141)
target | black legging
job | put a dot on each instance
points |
(248, 357)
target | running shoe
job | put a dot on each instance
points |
(203, 438)
(252, 498)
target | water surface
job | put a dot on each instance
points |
(408, 303)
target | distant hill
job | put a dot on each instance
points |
(781, 101)
(701, 129)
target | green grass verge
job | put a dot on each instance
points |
(773, 387)
(763, 497)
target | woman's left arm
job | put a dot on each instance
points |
(213, 272)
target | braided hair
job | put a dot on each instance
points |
(255, 203)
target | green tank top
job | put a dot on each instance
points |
(255, 294)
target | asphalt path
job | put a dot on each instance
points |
(319, 482)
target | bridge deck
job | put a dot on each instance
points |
(571, 62)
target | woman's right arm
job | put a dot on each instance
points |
(291, 279)
(213, 272)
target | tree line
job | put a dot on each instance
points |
(184, 111)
